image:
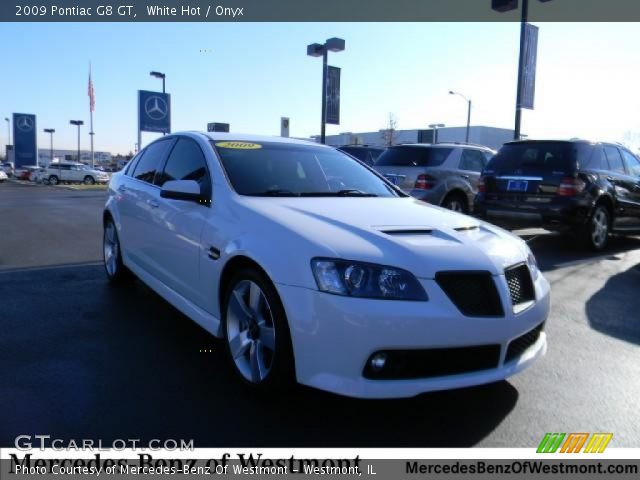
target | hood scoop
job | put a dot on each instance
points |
(407, 231)
(468, 228)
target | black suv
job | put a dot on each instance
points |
(586, 188)
(364, 153)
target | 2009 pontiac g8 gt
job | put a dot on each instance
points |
(313, 267)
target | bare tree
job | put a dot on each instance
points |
(390, 132)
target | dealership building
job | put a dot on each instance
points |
(489, 136)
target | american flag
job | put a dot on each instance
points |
(92, 96)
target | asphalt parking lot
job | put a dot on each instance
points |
(81, 359)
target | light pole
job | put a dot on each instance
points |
(435, 127)
(6, 119)
(50, 131)
(159, 75)
(77, 123)
(322, 50)
(451, 92)
(505, 6)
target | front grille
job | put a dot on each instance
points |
(520, 285)
(518, 346)
(473, 293)
(408, 364)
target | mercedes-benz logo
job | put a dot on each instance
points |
(156, 108)
(24, 123)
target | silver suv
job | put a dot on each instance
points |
(73, 173)
(444, 174)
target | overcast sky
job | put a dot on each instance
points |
(249, 75)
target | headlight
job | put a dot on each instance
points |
(532, 263)
(365, 280)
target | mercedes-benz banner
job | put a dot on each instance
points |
(154, 111)
(24, 138)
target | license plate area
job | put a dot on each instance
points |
(517, 185)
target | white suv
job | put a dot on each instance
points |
(74, 173)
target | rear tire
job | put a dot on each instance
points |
(456, 202)
(256, 332)
(89, 180)
(596, 233)
(112, 255)
(53, 180)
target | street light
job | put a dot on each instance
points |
(6, 119)
(505, 6)
(451, 92)
(435, 127)
(318, 50)
(159, 75)
(50, 131)
(77, 123)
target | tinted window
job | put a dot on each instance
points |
(151, 161)
(413, 157)
(293, 169)
(632, 162)
(187, 162)
(614, 159)
(535, 158)
(595, 159)
(131, 164)
(472, 160)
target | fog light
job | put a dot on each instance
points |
(378, 361)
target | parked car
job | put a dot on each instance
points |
(7, 168)
(74, 173)
(444, 174)
(588, 189)
(24, 172)
(39, 175)
(311, 266)
(364, 153)
(3, 176)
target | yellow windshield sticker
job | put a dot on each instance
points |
(239, 145)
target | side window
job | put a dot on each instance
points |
(187, 162)
(472, 160)
(632, 162)
(131, 164)
(597, 161)
(151, 161)
(614, 159)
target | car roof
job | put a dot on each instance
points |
(243, 137)
(443, 145)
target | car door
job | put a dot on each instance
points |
(624, 186)
(141, 198)
(178, 225)
(632, 164)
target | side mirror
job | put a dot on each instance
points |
(188, 190)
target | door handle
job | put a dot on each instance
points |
(153, 203)
(122, 189)
(466, 177)
(611, 179)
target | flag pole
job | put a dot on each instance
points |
(91, 106)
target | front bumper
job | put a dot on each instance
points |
(334, 336)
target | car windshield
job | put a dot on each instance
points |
(288, 169)
(535, 157)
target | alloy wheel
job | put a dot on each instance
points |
(111, 249)
(599, 227)
(251, 331)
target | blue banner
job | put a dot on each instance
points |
(154, 112)
(333, 95)
(24, 139)
(530, 58)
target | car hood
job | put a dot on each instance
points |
(400, 232)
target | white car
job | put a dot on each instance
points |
(313, 267)
(74, 173)
(3, 176)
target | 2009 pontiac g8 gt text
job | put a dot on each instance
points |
(313, 267)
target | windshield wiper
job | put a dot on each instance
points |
(276, 192)
(350, 192)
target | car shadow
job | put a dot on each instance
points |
(555, 251)
(119, 362)
(614, 309)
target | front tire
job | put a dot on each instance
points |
(89, 180)
(256, 331)
(53, 180)
(112, 254)
(597, 231)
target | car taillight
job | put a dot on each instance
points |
(424, 182)
(570, 186)
(482, 187)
